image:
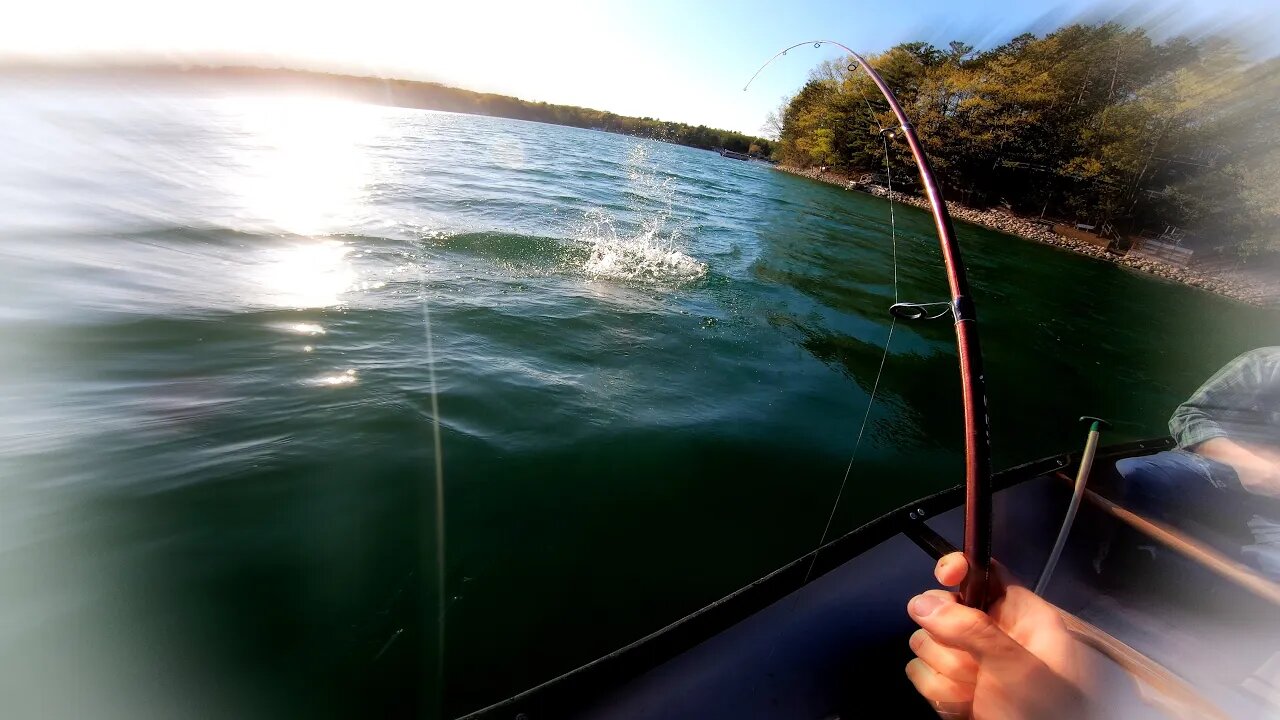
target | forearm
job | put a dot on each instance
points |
(1257, 467)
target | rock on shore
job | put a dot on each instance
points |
(1237, 287)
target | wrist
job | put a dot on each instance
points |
(1219, 448)
(1263, 479)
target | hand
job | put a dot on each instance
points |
(1015, 661)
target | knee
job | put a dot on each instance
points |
(1142, 472)
(1129, 467)
(1148, 483)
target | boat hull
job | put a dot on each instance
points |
(836, 645)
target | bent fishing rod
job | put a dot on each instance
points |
(977, 437)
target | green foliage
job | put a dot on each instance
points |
(1091, 122)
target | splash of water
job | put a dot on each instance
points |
(650, 254)
(646, 256)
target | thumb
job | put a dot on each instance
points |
(963, 628)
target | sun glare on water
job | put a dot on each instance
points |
(306, 163)
(346, 377)
(310, 274)
(303, 169)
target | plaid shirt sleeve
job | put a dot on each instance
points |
(1227, 400)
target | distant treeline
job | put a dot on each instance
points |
(434, 96)
(1094, 123)
(441, 97)
(425, 95)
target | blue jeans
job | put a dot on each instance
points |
(1205, 498)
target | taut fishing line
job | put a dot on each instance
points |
(977, 427)
(885, 133)
(439, 487)
(875, 386)
(899, 309)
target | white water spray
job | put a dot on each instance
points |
(652, 253)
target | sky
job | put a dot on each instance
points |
(681, 60)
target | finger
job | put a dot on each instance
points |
(951, 569)
(943, 597)
(962, 628)
(953, 711)
(935, 687)
(955, 664)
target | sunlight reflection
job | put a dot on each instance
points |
(305, 328)
(308, 163)
(347, 377)
(309, 275)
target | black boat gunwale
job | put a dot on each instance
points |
(589, 679)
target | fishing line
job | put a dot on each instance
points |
(784, 51)
(439, 485)
(893, 225)
(884, 133)
(921, 311)
(875, 387)
(978, 489)
(866, 415)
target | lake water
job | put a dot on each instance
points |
(221, 317)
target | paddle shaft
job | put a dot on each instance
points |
(1082, 481)
(1237, 573)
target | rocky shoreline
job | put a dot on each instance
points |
(1240, 288)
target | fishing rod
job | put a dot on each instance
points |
(977, 436)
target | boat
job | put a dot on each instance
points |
(1184, 631)
(725, 152)
(835, 645)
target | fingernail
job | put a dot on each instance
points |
(916, 640)
(924, 605)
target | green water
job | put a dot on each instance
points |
(651, 363)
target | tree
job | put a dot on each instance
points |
(1097, 122)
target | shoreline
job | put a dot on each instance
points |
(1235, 286)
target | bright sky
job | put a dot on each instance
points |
(680, 60)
